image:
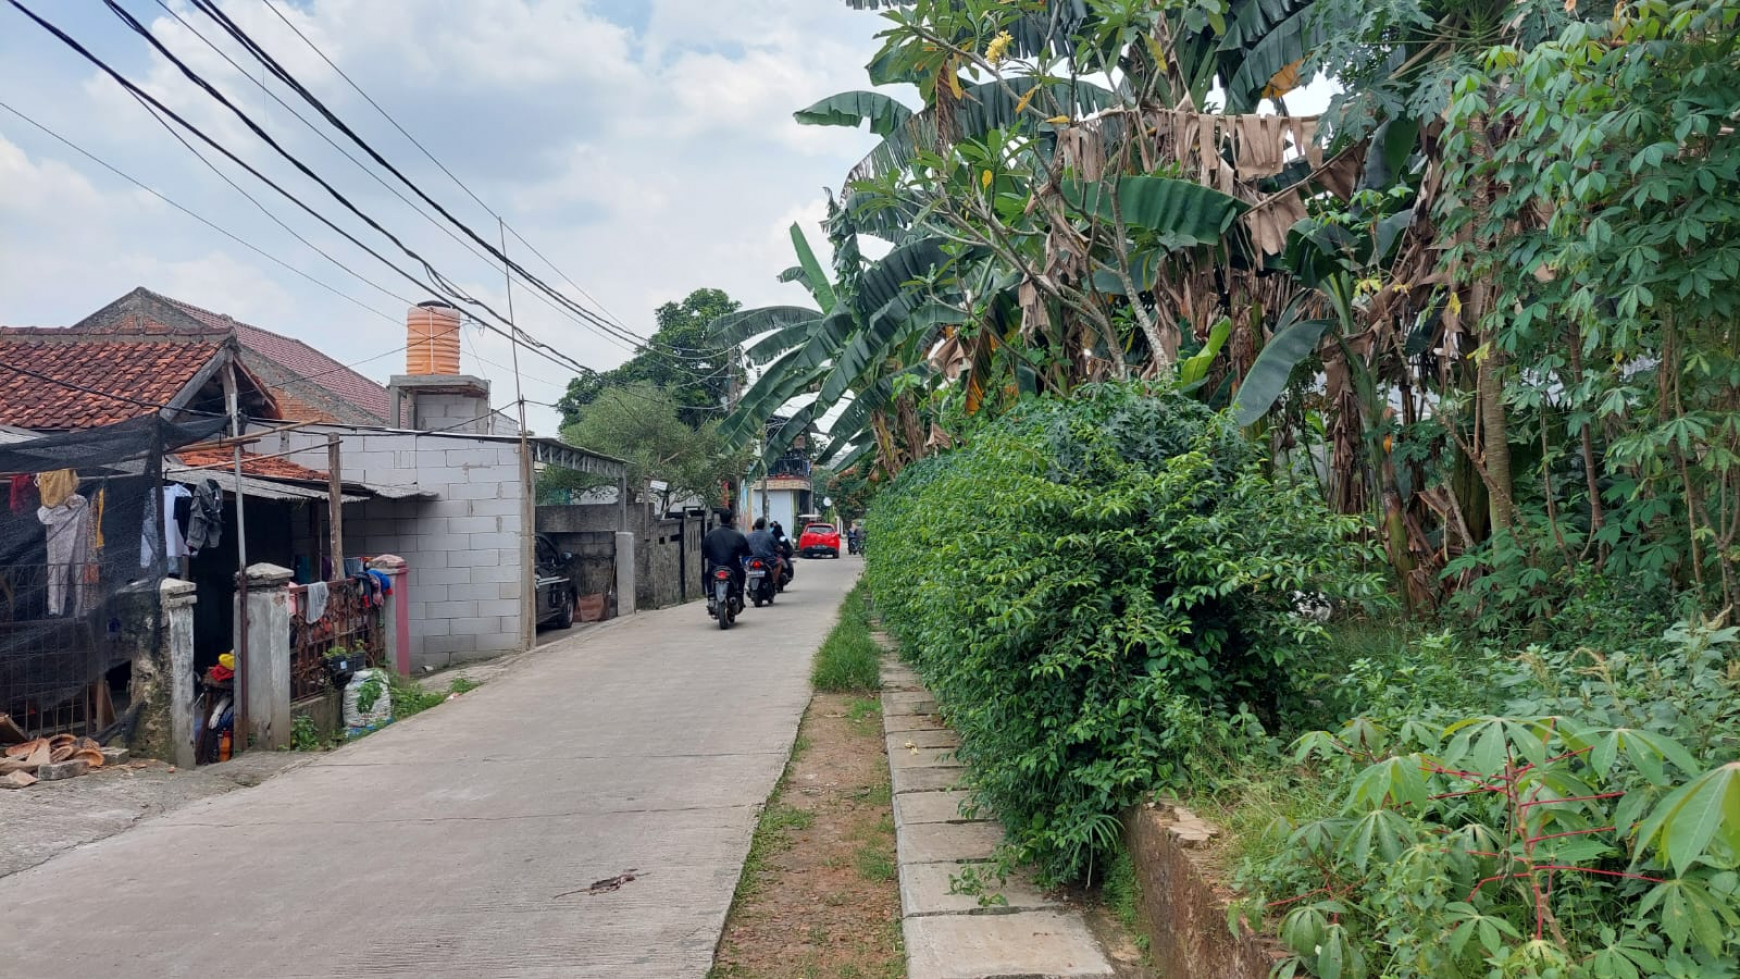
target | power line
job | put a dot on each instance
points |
(518, 336)
(513, 333)
(202, 220)
(265, 58)
(312, 127)
(433, 159)
(446, 286)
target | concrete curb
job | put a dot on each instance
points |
(994, 929)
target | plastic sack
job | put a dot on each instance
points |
(380, 712)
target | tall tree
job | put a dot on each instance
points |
(641, 424)
(680, 358)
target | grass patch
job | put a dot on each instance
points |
(849, 661)
(1123, 892)
(875, 862)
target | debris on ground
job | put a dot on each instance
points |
(606, 885)
(53, 758)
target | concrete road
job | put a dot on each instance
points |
(462, 842)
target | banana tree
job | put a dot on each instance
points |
(866, 329)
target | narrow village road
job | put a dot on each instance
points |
(463, 841)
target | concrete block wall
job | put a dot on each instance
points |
(463, 545)
(667, 551)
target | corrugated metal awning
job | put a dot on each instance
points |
(253, 486)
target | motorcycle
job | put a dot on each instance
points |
(854, 543)
(763, 582)
(723, 599)
(786, 571)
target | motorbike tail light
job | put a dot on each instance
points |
(722, 574)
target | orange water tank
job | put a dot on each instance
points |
(431, 339)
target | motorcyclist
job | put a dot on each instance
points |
(787, 552)
(762, 543)
(725, 547)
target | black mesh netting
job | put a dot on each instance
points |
(82, 554)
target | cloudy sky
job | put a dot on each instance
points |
(645, 146)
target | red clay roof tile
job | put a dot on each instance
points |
(76, 382)
(252, 465)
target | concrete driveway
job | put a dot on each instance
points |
(465, 841)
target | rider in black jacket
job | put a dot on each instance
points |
(724, 547)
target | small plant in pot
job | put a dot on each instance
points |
(341, 664)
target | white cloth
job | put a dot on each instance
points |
(69, 552)
(174, 543)
(317, 595)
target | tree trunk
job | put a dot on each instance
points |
(1494, 429)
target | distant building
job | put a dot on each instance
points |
(785, 491)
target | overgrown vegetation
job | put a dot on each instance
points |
(1483, 310)
(1577, 814)
(1095, 589)
(850, 661)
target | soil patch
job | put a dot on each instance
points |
(819, 896)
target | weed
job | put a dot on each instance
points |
(875, 862)
(305, 735)
(463, 684)
(863, 707)
(850, 660)
(1122, 891)
(779, 817)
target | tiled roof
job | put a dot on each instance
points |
(82, 379)
(299, 359)
(252, 465)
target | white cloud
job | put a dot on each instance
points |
(647, 158)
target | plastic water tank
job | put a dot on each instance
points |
(431, 339)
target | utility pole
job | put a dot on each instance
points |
(528, 491)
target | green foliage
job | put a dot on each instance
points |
(1096, 589)
(642, 425)
(1590, 829)
(1614, 219)
(680, 358)
(849, 661)
(305, 734)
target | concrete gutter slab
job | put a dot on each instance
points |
(1028, 945)
(931, 888)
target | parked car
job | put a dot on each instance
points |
(819, 538)
(557, 593)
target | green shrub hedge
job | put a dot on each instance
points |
(1099, 591)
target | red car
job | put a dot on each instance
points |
(819, 538)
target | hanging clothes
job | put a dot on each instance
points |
(383, 582)
(174, 542)
(56, 486)
(317, 595)
(99, 503)
(206, 529)
(23, 495)
(70, 554)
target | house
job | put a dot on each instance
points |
(430, 470)
(307, 384)
(784, 491)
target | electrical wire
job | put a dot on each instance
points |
(159, 109)
(312, 127)
(202, 220)
(443, 167)
(211, 10)
(513, 332)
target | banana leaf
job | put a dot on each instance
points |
(1268, 376)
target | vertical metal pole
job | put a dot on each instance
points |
(528, 500)
(335, 502)
(239, 734)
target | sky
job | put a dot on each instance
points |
(646, 147)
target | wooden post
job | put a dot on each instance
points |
(335, 503)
